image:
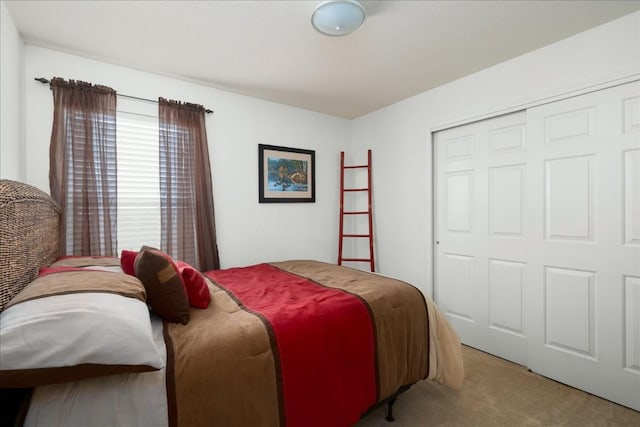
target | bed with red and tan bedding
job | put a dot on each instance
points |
(292, 343)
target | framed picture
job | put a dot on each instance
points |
(286, 175)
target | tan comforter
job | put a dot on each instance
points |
(221, 369)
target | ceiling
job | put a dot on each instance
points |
(269, 50)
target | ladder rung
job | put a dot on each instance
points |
(356, 167)
(356, 189)
(357, 259)
(355, 235)
(356, 213)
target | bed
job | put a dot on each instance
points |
(295, 343)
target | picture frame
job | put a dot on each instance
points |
(286, 175)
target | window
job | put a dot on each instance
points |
(106, 161)
(138, 180)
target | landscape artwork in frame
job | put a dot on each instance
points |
(286, 175)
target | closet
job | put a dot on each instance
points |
(537, 238)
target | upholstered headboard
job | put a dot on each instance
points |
(29, 221)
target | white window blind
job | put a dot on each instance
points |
(138, 181)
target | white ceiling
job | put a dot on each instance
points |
(268, 49)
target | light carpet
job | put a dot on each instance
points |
(500, 393)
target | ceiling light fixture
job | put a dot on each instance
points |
(338, 17)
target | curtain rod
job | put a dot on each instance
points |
(45, 81)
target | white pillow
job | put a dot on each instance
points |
(73, 335)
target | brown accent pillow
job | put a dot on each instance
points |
(166, 292)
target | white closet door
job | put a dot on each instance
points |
(480, 268)
(583, 254)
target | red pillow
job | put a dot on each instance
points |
(197, 289)
(127, 260)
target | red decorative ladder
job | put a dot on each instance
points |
(368, 212)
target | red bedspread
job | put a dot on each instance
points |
(325, 353)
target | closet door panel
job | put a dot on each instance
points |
(480, 226)
(583, 257)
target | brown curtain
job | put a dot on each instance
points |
(188, 229)
(82, 170)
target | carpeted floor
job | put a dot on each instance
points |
(500, 393)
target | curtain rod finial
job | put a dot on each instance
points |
(41, 80)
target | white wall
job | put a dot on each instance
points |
(248, 232)
(11, 84)
(399, 135)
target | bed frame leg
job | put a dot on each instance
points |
(389, 416)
